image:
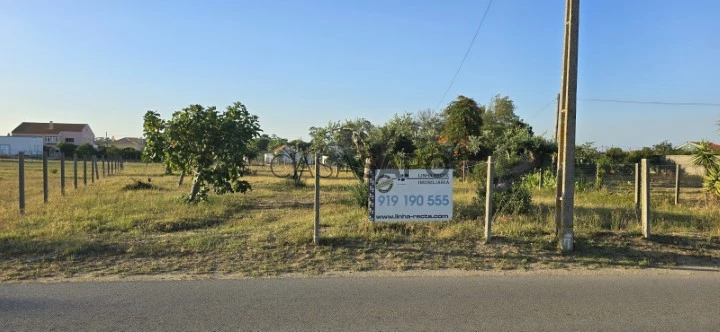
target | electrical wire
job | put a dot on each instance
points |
(648, 102)
(465, 57)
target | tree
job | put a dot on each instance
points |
(86, 150)
(705, 157)
(113, 151)
(258, 146)
(586, 153)
(67, 149)
(130, 154)
(616, 155)
(102, 141)
(276, 142)
(463, 118)
(664, 148)
(503, 130)
(156, 144)
(208, 144)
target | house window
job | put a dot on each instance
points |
(51, 139)
(70, 140)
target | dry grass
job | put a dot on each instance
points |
(107, 229)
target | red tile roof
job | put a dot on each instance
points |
(713, 146)
(130, 141)
(43, 128)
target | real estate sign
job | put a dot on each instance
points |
(411, 195)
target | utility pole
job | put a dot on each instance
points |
(565, 202)
(557, 115)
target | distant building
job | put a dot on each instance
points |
(12, 145)
(54, 133)
(129, 142)
(693, 146)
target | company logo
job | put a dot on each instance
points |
(384, 183)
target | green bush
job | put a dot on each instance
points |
(359, 194)
(532, 180)
(514, 200)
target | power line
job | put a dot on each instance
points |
(541, 109)
(464, 57)
(648, 102)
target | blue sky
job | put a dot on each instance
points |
(298, 64)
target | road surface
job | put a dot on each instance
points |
(518, 302)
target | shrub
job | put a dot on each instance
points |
(532, 180)
(514, 200)
(359, 194)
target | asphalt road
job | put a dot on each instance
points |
(485, 302)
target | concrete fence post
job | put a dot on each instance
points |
(645, 210)
(489, 199)
(45, 176)
(62, 173)
(316, 232)
(21, 180)
(677, 184)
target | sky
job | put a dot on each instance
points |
(298, 64)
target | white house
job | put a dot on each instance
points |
(54, 133)
(286, 152)
(12, 145)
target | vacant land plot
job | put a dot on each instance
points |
(114, 227)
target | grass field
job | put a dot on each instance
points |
(108, 228)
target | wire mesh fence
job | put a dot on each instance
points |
(665, 179)
(29, 181)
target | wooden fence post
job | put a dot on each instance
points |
(97, 171)
(85, 170)
(92, 169)
(103, 165)
(677, 184)
(45, 177)
(316, 233)
(21, 180)
(62, 173)
(645, 210)
(75, 170)
(489, 199)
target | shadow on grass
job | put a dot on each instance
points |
(600, 249)
(32, 250)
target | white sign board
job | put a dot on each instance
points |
(411, 195)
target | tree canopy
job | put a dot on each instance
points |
(205, 143)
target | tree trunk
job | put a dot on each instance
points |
(182, 178)
(195, 190)
(367, 173)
